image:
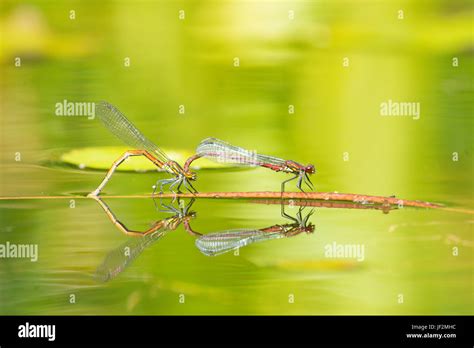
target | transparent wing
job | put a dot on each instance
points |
(221, 151)
(120, 258)
(123, 129)
(217, 243)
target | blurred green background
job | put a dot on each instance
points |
(289, 53)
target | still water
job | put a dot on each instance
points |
(291, 93)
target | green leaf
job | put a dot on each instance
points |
(103, 157)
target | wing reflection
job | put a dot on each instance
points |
(214, 243)
(218, 243)
(120, 258)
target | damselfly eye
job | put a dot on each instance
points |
(310, 169)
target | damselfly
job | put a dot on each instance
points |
(120, 258)
(121, 127)
(221, 151)
(218, 243)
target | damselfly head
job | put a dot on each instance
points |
(191, 215)
(310, 169)
(309, 228)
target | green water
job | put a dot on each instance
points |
(422, 256)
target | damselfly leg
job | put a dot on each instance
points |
(300, 180)
(189, 186)
(181, 211)
(162, 183)
(306, 218)
(299, 219)
(179, 180)
(308, 182)
(120, 225)
(302, 221)
(303, 177)
(285, 215)
(284, 182)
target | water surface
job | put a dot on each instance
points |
(336, 125)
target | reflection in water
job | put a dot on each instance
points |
(167, 224)
(120, 258)
(222, 242)
(283, 63)
(211, 244)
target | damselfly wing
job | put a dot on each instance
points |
(221, 151)
(217, 243)
(119, 125)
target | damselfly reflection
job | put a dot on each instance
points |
(211, 244)
(218, 243)
(120, 258)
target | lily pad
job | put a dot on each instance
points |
(101, 158)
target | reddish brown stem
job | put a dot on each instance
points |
(322, 196)
(308, 196)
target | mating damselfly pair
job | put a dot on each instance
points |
(210, 244)
(212, 148)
